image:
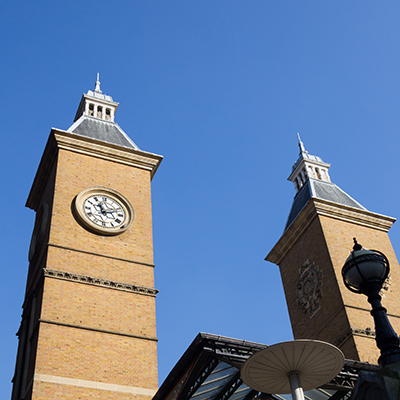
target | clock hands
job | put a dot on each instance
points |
(105, 211)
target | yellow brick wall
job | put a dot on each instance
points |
(76, 172)
(339, 238)
(94, 333)
(99, 308)
(100, 266)
(45, 391)
(96, 356)
(330, 320)
(327, 242)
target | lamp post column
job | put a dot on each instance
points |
(386, 338)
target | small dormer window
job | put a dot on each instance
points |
(97, 104)
(299, 182)
(108, 114)
(307, 168)
(305, 176)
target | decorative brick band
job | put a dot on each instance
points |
(364, 332)
(356, 332)
(89, 280)
(88, 328)
(94, 385)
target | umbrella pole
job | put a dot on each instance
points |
(295, 385)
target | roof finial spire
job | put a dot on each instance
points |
(301, 145)
(97, 89)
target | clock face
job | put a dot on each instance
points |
(103, 210)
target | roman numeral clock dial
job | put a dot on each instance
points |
(103, 210)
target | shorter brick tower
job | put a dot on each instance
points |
(88, 328)
(317, 239)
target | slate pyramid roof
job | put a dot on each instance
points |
(321, 190)
(311, 179)
(106, 131)
(95, 119)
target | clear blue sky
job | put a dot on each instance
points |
(220, 89)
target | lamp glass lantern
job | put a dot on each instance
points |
(364, 268)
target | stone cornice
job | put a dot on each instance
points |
(329, 209)
(107, 151)
(353, 215)
(60, 139)
(89, 280)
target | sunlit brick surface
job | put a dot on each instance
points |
(94, 331)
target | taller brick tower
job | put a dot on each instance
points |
(88, 327)
(317, 239)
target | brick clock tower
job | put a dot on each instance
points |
(317, 239)
(88, 327)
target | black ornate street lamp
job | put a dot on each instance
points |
(364, 272)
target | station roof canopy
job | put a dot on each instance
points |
(210, 370)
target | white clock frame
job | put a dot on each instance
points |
(108, 193)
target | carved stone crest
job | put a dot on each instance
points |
(309, 290)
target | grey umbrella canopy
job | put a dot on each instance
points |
(306, 364)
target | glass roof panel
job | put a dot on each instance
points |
(224, 372)
(283, 396)
(319, 394)
(221, 365)
(207, 395)
(242, 391)
(215, 382)
(314, 394)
